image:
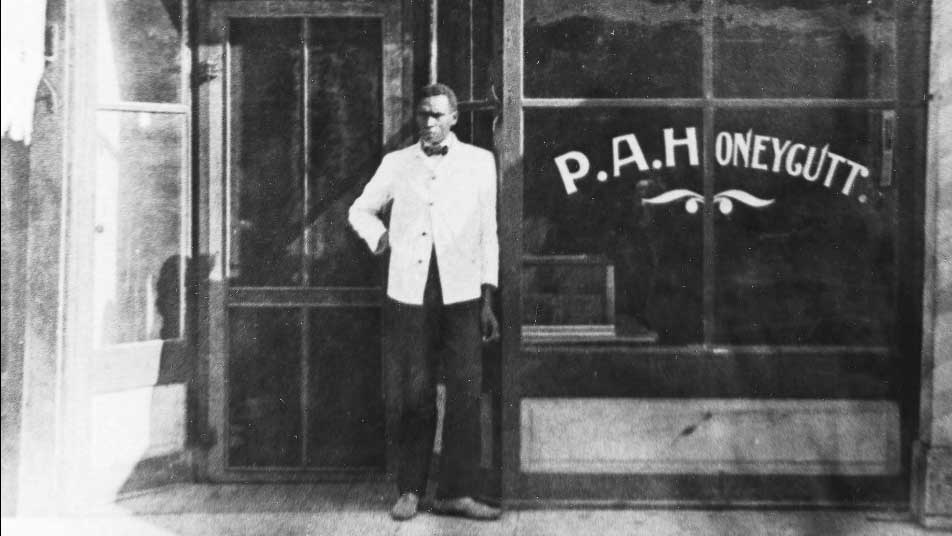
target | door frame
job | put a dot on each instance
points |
(212, 76)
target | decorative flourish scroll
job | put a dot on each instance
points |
(691, 203)
(723, 200)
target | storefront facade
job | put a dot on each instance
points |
(717, 225)
(755, 323)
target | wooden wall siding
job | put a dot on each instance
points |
(734, 436)
(942, 341)
(932, 469)
(15, 182)
(941, 350)
(41, 415)
(941, 176)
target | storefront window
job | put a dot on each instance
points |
(666, 201)
(612, 49)
(816, 265)
(805, 48)
(588, 239)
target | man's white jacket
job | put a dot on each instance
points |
(449, 206)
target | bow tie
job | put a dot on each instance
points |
(437, 150)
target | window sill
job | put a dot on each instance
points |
(587, 335)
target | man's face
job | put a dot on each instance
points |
(435, 118)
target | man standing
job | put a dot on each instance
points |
(444, 264)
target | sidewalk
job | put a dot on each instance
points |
(279, 510)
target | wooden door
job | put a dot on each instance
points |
(304, 99)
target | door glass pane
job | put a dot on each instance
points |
(265, 138)
(139, 212)
(346, 402)
(613, 48)
(139, 49)
(264, 389)
(476, 128)
(805, 48)
(816, 263)
(467, 48)
(345, 136)
(597, 256)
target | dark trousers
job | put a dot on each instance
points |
(416, 337)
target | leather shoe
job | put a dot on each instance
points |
(466, 507)
(405, 507)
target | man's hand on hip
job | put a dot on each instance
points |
(383, 244)
(487, 318)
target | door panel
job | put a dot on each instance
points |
(264, 387)
(345, 115)
(345, 406)
(294, 323)
(266, 145)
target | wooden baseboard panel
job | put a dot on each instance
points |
(709, 436)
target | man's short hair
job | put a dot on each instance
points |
(435, 90)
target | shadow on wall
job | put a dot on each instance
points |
(145, 415)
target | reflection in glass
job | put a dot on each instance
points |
(612, 49)
(139, 212)
(817, 265)
(346, 403)
(263, 383)
(805, 48)
(139, 50)
(654, 251)
(476, 128)
(345, 130)
(568, 295)
(266, 152)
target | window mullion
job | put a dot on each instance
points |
(707, 227)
